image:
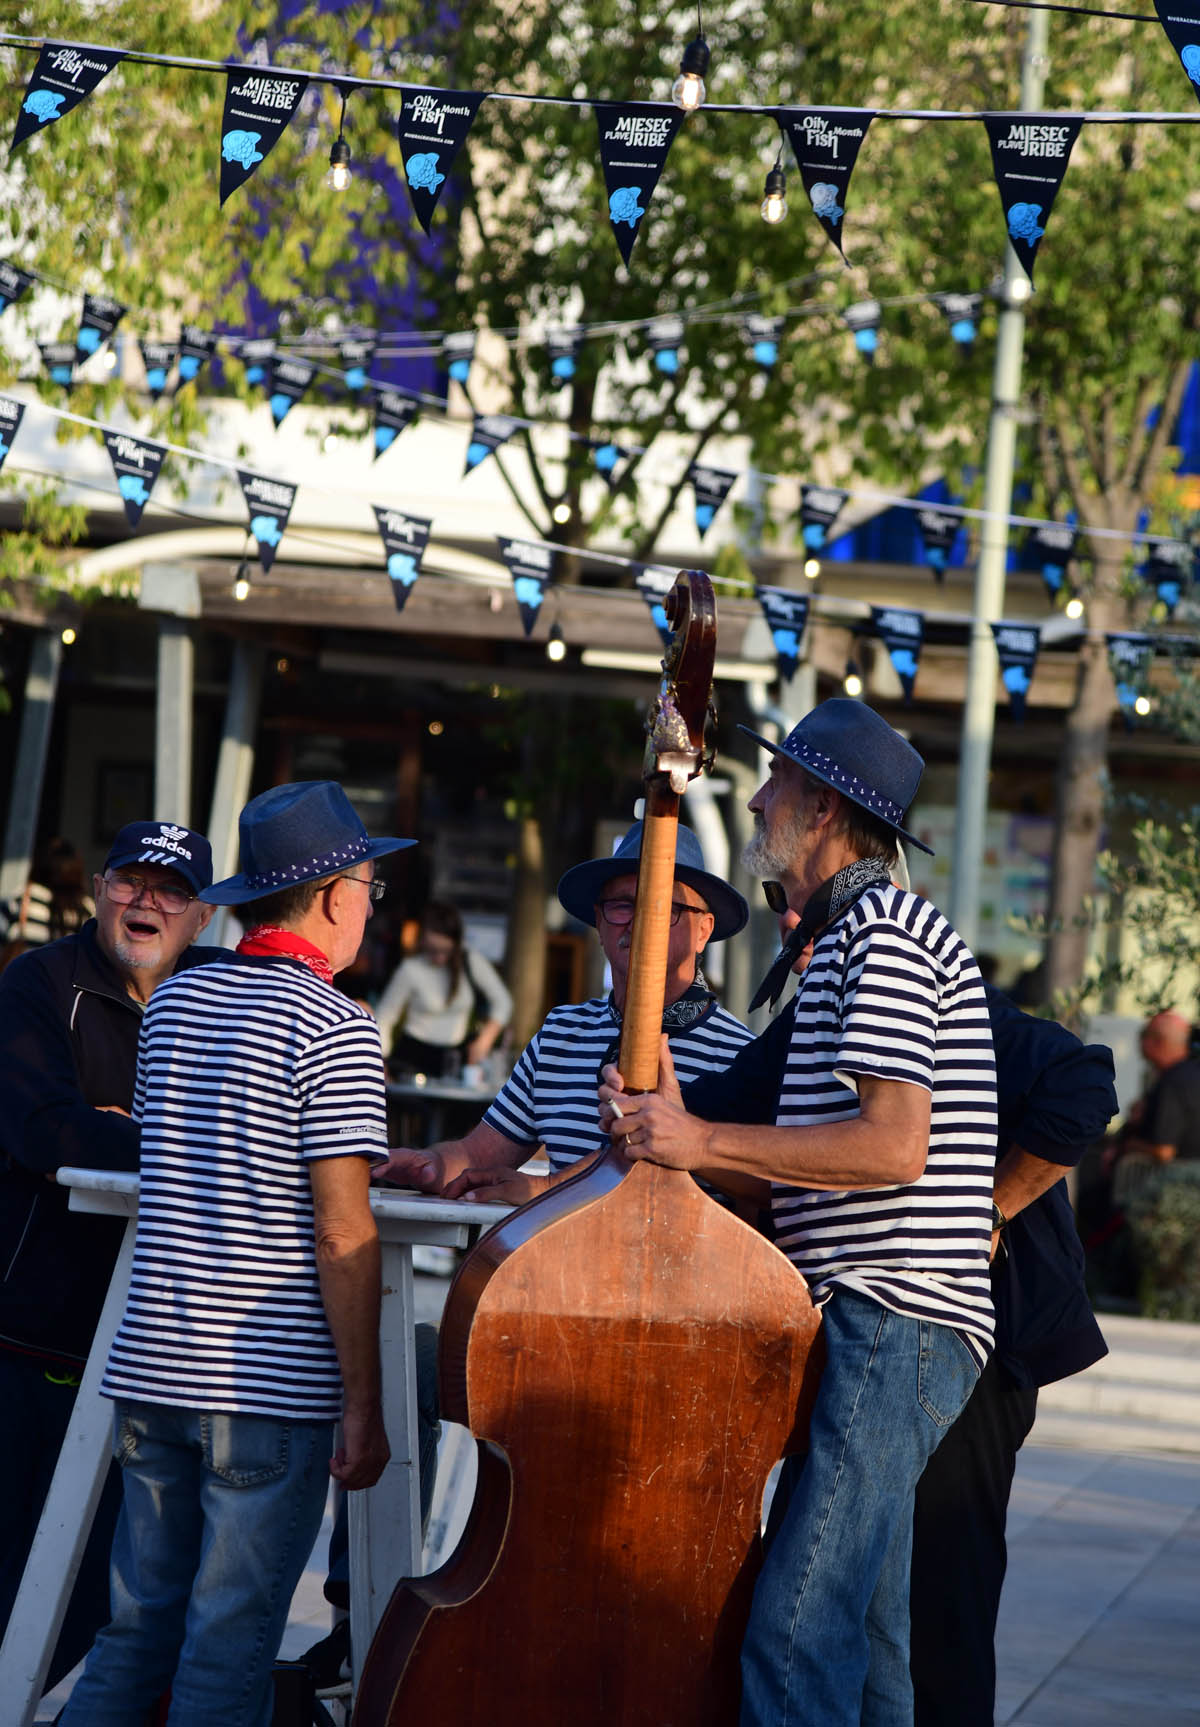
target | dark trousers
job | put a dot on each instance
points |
(959, 1554)
(34, 1412)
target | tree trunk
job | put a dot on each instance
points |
(527, 932)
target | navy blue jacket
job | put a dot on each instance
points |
(1056, 1097)
(69, 1036)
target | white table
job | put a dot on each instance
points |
(385, 1521)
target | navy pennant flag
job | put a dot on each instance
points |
(1181, 21)
(11, 414)
(136, 463)
(404, 541)
(763, 336)
(562, 350)
(458, 350)
(863, 320)
(532, 570)
(59, 360)
(1130, 656)
(158, 358)
(289, 381)
(258, 106)
(665, 336)
(634, 140)
(256, 356)
(901, 633)
(654, 584)
(393, 412)
(819, 509)
(608, 458)
(826, 142)
(63, 76)
(786, 613)
(961, 312)
(1017, 649)
(14, 283)
(100, 318)
(938, 531)
(269, 503)
(433, 126)
(195, 347)
(1029, 158)
(1050, 549)
(357, 356)
(711, 488)
(487, 435)
(1168, 570)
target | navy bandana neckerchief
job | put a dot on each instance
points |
(831, 899)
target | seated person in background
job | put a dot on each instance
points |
(1167, 1123)
(434, 995)
(550, 1097)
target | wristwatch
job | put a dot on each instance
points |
(999, 1221)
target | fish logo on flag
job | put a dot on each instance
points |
(711, 488)
(901, 633)
(63, 76)
(531, 567)
(289, 379)
(196, 346)
(938, 530)
(157, 358)
(634, 140)
(1017, 650)
(136, 463)
(825, 143)
(258, 106)
(404, 540)
(269, 504)
(786, 613)
(433, 126)
(1030, 153)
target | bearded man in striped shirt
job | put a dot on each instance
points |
(879, 1172)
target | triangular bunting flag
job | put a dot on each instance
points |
(357, 356)
(1130, 656)
(532, 570)
(258, 106)
(158, 358)
(1029, 158)
(59, 360)
(11, 415)
(711, 487)
(863, 321)
(654, 584)
(393, 412)
(826, 142)
(63, 76)
(289, 381)
(1181, 21)
(14, 283)
(100, 318)
(634, 140)
(136, 463)
(961, 312)
(1017, 649)
(433, 125)
(608, 458)
(901, 633)
(256, 356)
(270, 504)
(404, 541)
(763, 336)
(1050, 549)
(665, 336)
(786, 613)
(487, 434)
(1168, 570)
(938, 531)
(819, 508)
(195, 347)
(562, 350)
(458, 350)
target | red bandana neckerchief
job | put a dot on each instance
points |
(267, 940)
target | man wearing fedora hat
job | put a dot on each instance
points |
(879, 1171)
(251, 1324)
(550, 1097)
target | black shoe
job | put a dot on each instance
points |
(326, 1659)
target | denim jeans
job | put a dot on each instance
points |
(827, 1641)
(220, 1515)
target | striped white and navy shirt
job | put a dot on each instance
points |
(550, 1097)
(247, 1070)
(892, 992)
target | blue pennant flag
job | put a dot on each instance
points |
(863, 320)
(196, 347)
(901, 633)
(711, 487)
(157, 358)
(433, 126)
(288, 381)
(634, 140)
(1130, 657)
(961, 312)
(1181, 21)
(762, 335)
(269, 503)
(404, 540)
(136, 464)
(665, 336)
(1017, 650)
(65, 73)
(1168, 569)
(12, 413)
(59, 361)
(14, 283)
(458, 350)
(487, 434)
(101, 316)
(258, 106)
(562, 350)
(357, 355)
(1030, 153)
(394, 410)
(786, 613)
(938, 530)
(826, 142)
(531, 567)
(654, 584)
(1049, 549)
(820, 507)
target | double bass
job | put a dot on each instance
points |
(632, 1360)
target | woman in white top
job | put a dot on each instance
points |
(434, 995)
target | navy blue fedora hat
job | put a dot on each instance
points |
(579, 889)
(297, 833)
(850, 747)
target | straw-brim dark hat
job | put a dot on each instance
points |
(293, 834)
(580, 888)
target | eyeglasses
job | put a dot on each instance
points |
(619, 912)
(776, 897)
(375, 889)
(124, 889)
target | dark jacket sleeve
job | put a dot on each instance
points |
(1056, 1094)
(45, 1121)
(748, 1089)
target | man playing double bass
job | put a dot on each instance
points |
(879, 1171)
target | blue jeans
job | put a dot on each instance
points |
(827, 1641)
(219, 1518)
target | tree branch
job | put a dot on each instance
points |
(1139, 438)
(1152, 456)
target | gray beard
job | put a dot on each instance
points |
(135, 958)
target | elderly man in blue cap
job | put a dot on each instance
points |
(549, 1098)
(879, 1171)
(251, 1324)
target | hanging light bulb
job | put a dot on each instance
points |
(68, 637)
(241, 582)
(689, 89)
(774, 206)
(339, 175)
(1074, 607)
(852, 682)
(556, 647)
(561, 512)
(812, 568)
(1142, 706)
